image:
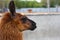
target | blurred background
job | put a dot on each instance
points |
(46, 14)
(32, 5)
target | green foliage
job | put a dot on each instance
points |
(43, 4)
(31, 4)
(53, 3)
(27, 4)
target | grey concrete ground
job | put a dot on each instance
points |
(48, 28)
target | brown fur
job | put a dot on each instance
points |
(12, 24)
(11, 28)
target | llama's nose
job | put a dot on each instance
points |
(33, 23)
(33, 26)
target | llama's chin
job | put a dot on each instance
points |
(33, 28)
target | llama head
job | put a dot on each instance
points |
(22, 22)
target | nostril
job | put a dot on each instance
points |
(33, 26)
(33, 23)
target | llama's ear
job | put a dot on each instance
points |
(12, 8)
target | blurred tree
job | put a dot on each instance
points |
(27, 4)
(53, 3)
(4, 3)
(43, 3)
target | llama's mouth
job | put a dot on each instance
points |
(33, 28)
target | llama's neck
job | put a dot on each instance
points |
(9, 31)
(10, 26)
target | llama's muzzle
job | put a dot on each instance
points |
(33, 25)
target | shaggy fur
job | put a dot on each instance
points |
(9, 29)
(12, 24)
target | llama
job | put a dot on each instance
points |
(13, 24)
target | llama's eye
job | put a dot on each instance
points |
(24, 20)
